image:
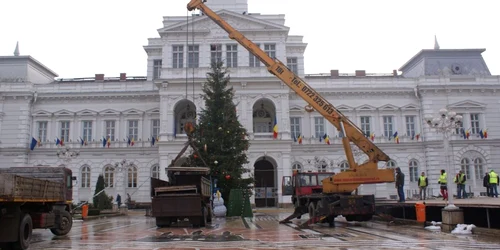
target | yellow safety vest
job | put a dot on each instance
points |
(422, 181)
(460, 178)
(493, 178)
(442, 179)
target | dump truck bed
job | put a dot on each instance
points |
(15, 188)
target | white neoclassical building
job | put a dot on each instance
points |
(36, 103)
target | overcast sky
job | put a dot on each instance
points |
(82, 38)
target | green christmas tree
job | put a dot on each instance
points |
(219, 136)
(101, 201)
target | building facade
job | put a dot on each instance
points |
(130, 128)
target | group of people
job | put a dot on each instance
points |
(491, 181)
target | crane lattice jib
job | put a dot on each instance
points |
(303, 89)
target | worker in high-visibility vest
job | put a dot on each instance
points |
(460, 180)
(443, 181)
(494, 180)
(422, 185)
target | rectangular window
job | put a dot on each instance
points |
(410, 125)
(177, 56)
(388, 129)
(110, 130)
(156, 69)
(365, 125)
(319, 127)
(87, 131)
(155, 128)
(215, 53)
(42, 131)
(291, 63)
(64, 135)
(295, 127)
(254, 61)
(458, 130)
(133, 129)
(232, 56)
(193, 56)
(474, 123)
(270, 49)
(85, 177)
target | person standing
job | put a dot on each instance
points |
(422, 185)
(460, 179)
(443, 181)
(494, 180)
(486, 184)
(400, 182)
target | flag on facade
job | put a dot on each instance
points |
(33, 144)
(132, 142)
(275, 128)
(463, 133)
(396, 137)
(485, 133)
(467, 133)
(103, 141)
(108, 141)
(481, 134)
(153, 140)
(372, 136)
(81, 141)
(158, 138)
(62, 142)
(417, 136)
(294, 138)
(39, 143)
(58, 142)
(300, 139)
(327, 139)
(128, 141)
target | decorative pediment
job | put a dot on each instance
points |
(86, 112)
(410, 107)
(366, 107)
(153, 111)
(466, 105)
(238, 21)
(296, 108)
(109, 112)
(388, 107)
(129, 112)
(344, 108)
(42, 113)
(64, 112)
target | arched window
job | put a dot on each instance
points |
(132, 177)
(155, 172)
(478, 168)
(262, 119)
(413, 167)
(465, 167)
(391, 164)
(109, 176)
(297, 166)
(322, 166)
(344, 166)
(188, 114)
(85, 177)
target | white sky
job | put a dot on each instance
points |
(82, 38)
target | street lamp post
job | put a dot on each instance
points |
(445, 123)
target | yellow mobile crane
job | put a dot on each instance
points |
(334, 197)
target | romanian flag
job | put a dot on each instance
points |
(62, 142)
(275, 128)
(485, 133)
(132, 142)
(372, 136)
(417, 136)
(108, 142)
(39, 142)
(396, 137)
(300, 139)
(327, 139)
(467, 133)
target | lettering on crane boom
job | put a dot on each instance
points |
(301, 86)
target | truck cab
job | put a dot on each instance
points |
(304, 183)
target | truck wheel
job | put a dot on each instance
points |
(312, 210)
(65, 226)
(25, 233)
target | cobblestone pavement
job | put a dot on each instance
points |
(261, 232)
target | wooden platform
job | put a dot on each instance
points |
(480, 202)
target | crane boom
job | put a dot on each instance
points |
(350, 132)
